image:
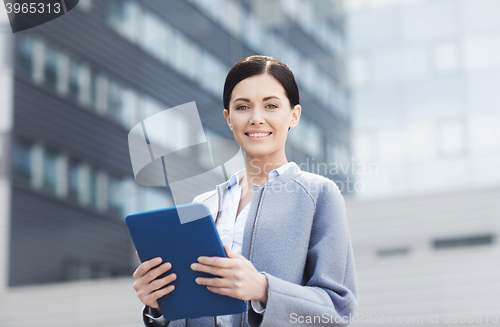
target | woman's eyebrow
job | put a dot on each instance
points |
(242, 99)
(265, 99)
(271, 97)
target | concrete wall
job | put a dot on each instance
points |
(415, 279)
(97, 303)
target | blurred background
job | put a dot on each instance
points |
(400, 109)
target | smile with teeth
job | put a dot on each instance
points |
(258, 134)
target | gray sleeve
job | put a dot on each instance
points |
(329, 295)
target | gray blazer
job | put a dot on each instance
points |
(297, 235)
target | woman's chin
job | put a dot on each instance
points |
(257, 152)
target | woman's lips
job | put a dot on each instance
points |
(258, 136)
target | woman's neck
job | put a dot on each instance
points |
(258, 168)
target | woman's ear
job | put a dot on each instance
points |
(296, 111)
(228, 119)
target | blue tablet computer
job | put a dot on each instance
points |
(159, 233)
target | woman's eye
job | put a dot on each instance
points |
(241, 108)
(272, 106)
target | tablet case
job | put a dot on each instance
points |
(159, 233)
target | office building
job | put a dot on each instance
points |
(74, 87)
(424, 79)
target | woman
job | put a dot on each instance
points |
(284, 230)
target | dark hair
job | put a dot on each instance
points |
(256, 65)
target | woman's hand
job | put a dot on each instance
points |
(148, 289)
(239, 278)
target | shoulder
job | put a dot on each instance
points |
(317, 185)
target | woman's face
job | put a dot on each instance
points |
(259, 115)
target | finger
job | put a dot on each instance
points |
(216, 262)
(159, 283)
(215, 282)
(155, 272)
(153, 297)
(229, 252)
(145, 267)
(217, 271)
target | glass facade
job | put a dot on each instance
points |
(424, 77)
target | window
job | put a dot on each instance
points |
(149, 107)
(231, 19)
(386, 66)
(364, 147)
(75, 79)
(173, 135)
(478, 52)
(480, 15)
(451, 137)
(101, 94)
(430, 20)
(314, 140)
(446, 57)
(482, 90)
(129, 112)
(23, 159)
(93, 90)
(115, 100)
(51, 71)
(338, 154)
(183, 48)
(421, 140)
(384, 253)
(464, 241)
(415, 62)
(391, 148)
(253, 32)
(130, 191)
(123, 17)
(94, 188)
(484, 132)
(153, 32)
(50, 170)
(115, 196)
(306, 17)
(74, 185)
(310, 75)
(25, 53)
(152, 199)
(322, 88)
(84, 5)
(374, 28)
(307, 137)
(193, 60)
(213, 73)
(358, 71)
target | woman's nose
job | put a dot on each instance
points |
(257, 117)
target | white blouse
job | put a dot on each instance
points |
(231, 229)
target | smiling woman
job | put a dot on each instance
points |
(284, 230)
